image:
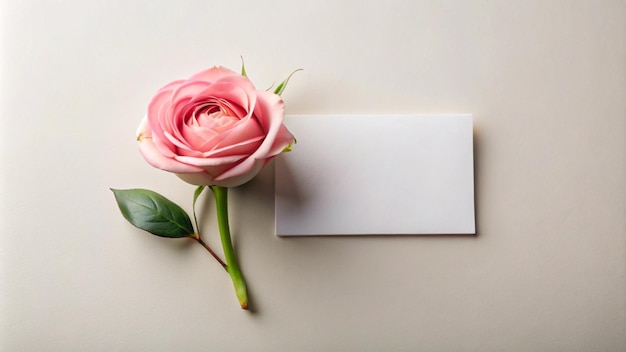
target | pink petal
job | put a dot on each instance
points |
(164, 147)
(269, 112)
(236, 90)
(172, 85)
(156, 159)
(205, 162)
(246, 129)
(177, 143)
(283, 139)
(189, 89)
(213, 74)
(144, 131)
(241, 178)
(246, 147)
(155, 110)
(196, 137)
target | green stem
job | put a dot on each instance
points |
(221, 200)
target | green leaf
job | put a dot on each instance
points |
(196, 194)
(281, 87)
(154, 213)
(243, 68)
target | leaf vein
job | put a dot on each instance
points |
(158, 213)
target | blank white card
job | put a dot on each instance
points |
(376, 175)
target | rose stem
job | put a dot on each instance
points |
(221, 200)
(206, 246)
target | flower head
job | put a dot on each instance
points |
(214, 128)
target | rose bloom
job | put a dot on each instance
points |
(214, 128)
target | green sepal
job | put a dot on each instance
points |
(289, 147)
(196, 194)
(243, 68)
(281, 87)
(154, 213)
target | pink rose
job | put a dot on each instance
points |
(214, 128)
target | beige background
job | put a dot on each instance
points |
(545, 81)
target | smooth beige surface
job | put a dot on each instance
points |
(545, 81)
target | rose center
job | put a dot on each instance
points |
(214, 117)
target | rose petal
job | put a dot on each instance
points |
(213, 74)
(156, 159)
(237, 180)
(238, 91)
(245, 130)
(195, 137)
(164, 147)
(283, 139)
(155, 112)
(180, 145)
(189, 89)
(144, 130)
(246, 147)
(172, 85)
(204, 162)
(269, 112)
